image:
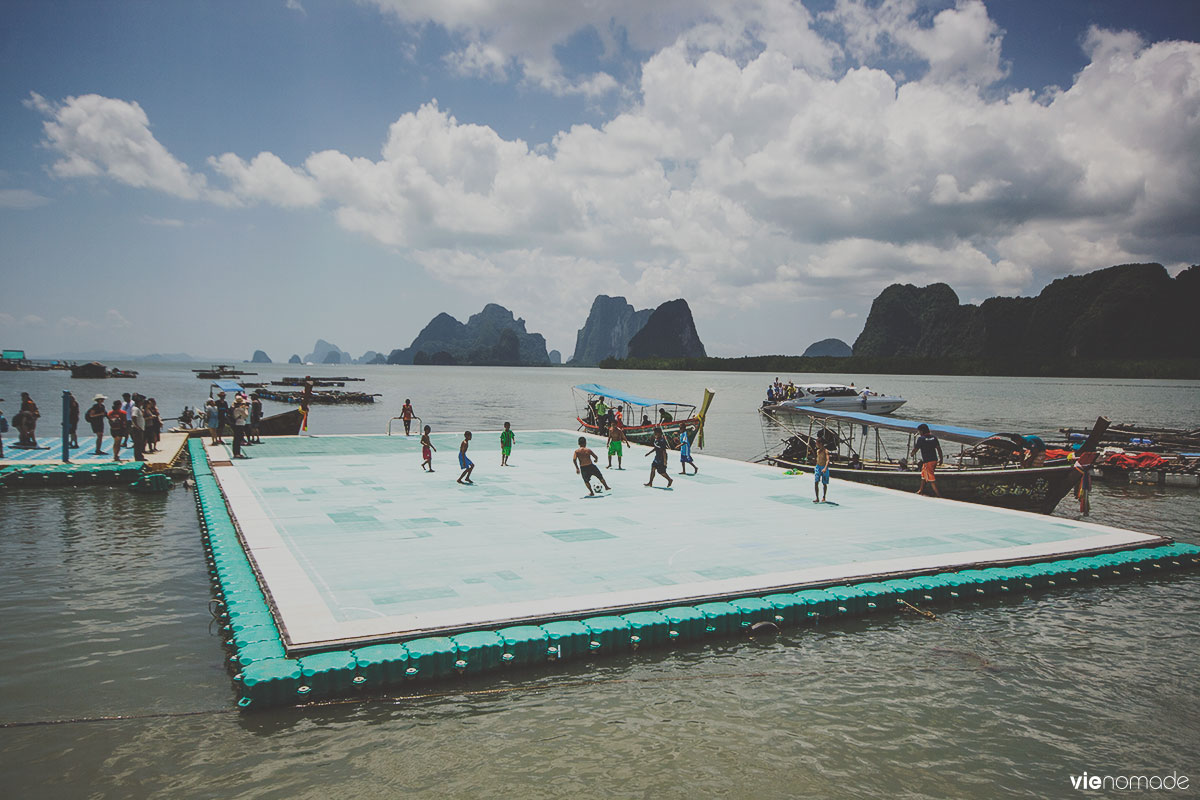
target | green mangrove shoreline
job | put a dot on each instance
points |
(1165, 368)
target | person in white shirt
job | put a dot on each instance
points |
(241, 418)
(137, 427)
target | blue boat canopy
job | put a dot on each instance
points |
(624, 397)
(948, 432)
(228, 386)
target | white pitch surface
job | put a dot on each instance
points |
(354, 543)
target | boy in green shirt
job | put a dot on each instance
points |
(507, 437)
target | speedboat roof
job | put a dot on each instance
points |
(949, 432)
(625, 397)
(227, 386)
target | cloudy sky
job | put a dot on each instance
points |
(215, 177)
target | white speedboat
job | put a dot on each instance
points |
(835, 397)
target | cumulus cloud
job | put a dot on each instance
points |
(962, 44)
(102, 136)
(497, 40)
(747, 169)
(266, 177)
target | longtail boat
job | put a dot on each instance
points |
(637, 416)
(286, 424)
(218, 371)
(973, 476)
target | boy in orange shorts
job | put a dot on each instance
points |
(931, 456)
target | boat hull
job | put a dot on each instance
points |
(1037, 489)
(875, 405)
(286, 424)
(644, 434)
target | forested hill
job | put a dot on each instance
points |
(1132, 311)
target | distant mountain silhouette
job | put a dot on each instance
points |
(610, 324)
(834, 348)
(670, 332)
(321, 351)
(491, 337)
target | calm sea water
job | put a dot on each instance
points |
(105, 598)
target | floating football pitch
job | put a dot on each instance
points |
(354, 544)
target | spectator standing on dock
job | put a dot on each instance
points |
(427, 450)
(137, 427)
(616, 446)
(95, 417)
(659, 465)
(212, 420)
(28, 429)
(222, 413)
(821, 473)
(464, 463)
(507, 437)
(73, 421)
(256, 417)
(585, 466)
(153, 424)
(685, 451)
(931, 456)
(407, 414)
(127, 407)
(241, 418)
(117, 422)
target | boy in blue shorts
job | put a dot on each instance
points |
(821, 473)
(465, 463)
(685, 451)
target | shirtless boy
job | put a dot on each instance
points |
(465, 463)
(427, 451)
(585, 466)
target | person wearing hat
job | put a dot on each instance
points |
(241, 417)
(95, 417)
